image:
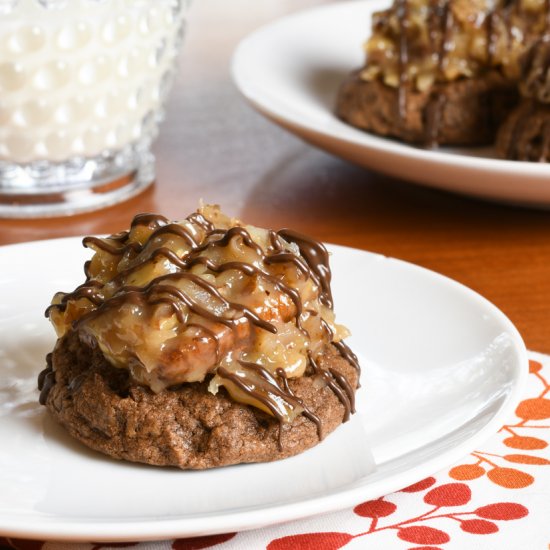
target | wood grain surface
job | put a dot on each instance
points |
(214, 147)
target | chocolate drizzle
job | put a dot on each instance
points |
(342, 347)
(201, 221)
(440, 19)
(91, 290)
(173, 291)
(338, 384)
(403, 18)
(347, 354)
(440, 24)
(316, 256)
(307, 413)
(148, 220)
(101, 244)
(265, 388)
(46, 380)
(178, 231)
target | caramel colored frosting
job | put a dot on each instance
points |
(422, 42)
(209, 298)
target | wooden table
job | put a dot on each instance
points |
(215, 147)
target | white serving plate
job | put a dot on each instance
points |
(442, 368)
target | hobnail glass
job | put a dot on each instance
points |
(82, 87)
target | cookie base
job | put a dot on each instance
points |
(185, 426)
(469, 110)
(525, 135)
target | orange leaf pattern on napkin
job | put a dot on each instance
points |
(530, 411)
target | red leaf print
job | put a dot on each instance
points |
(502, 510)
(478, 526)
(197, 543)
(375, 509)
(311, 541)
(450, 494)
(419, 486)
(420, 534)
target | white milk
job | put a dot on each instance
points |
(82, 78)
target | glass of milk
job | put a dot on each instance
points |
(82, 84)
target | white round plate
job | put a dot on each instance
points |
(442, 367)
(290, 71)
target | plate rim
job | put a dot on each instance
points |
(54, 527)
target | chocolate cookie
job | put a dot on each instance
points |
(186, 426)
(462, 112)
(450, 72)
(200, 343)
(525, 135)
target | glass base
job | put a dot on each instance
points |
(34, 190)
